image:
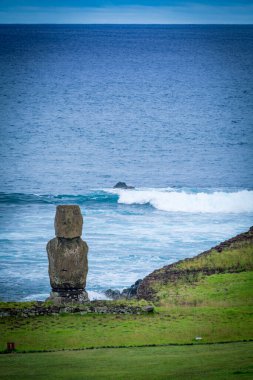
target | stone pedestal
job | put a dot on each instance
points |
(61, 296)
(67, 256)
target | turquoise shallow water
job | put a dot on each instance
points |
(167, 109)
(128, 236)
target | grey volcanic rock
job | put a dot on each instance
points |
(68, 264)
(122, 185)
(68, 221)
(148, 309)
(113, 294)
(131, 292)
(62, 297)
(127, 293)
(67, 257)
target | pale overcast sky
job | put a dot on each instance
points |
(127, 11)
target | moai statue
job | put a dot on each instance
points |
(67, 256)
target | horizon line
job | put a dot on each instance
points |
(141, 24)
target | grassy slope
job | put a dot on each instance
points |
(219, 361)
(233, 256)
(217, 307)
(219, 290)
(209, 296)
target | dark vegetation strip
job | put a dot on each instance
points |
(4, 352)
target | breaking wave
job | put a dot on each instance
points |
(170, 200)
(200, 202)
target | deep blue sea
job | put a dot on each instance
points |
(167, 109)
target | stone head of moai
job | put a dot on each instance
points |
(68, 222)
(67, 256)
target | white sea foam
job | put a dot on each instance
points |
(181, 201)
(42, 296)
(96, 296)
(36, 297)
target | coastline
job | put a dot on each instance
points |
(190, 266)
(143, 289)
(186, 307)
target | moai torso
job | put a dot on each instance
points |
(67, 256)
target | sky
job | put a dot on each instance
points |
(126, 11)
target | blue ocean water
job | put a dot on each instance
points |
(168, 109)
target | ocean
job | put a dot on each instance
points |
(165, 108)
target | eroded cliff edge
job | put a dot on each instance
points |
(231, 256)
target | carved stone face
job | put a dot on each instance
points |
(68, 221)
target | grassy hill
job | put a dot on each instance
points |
(220, 276)
(200, 301)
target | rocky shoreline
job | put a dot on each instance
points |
(171, 273)
(126, 294)
(142, 289)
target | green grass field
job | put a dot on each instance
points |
(217, 308)
(218, 290)
(179, 325)
(217, 362)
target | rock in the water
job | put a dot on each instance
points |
(132, 291)
(113, 294)
(123, 185)
(68, 221)
(68, 264)
(127, 293)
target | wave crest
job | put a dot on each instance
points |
(169, 200)
(181, 201)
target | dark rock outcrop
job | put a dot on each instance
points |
(131, 292)
(67, 256)
(127, 293)
(123, 185)
(113, 294)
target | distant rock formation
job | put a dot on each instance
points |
(127, 293)
(123, 185)
(67, 256)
